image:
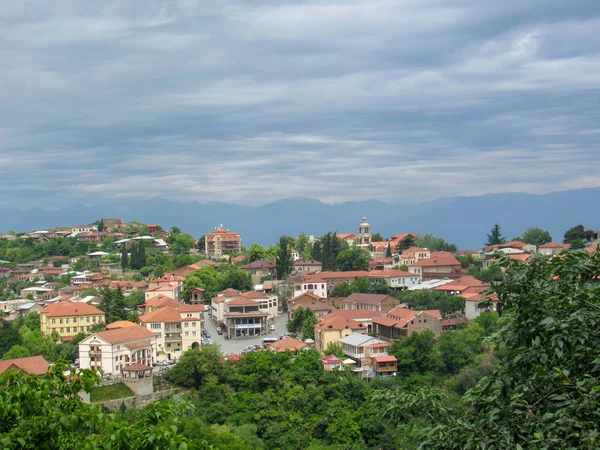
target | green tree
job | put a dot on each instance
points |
(578, 233)
(434, 244)
(302, 243)
(124, 257)
(388, 251)
(142, 254)
(181, 243)
(195, 365)
(418, 353)
(376, 237)
(284, 261)
(431, 300)
(536, 236)
(256, 252)
(334, 348)
(353, 259)
(495, 236)
(406, 243)
(303, 323)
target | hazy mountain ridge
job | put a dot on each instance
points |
(461, 220)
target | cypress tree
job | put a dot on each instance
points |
(124, 257)
(134, 263)
(142, 254)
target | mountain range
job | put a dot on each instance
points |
(464, 221)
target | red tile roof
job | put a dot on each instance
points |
(165, 314)
(120, 324)
(383, 359)
(339, 323)
(241, 301)
(32, 364)
(438, 259)
(555, 245)
(160, 300)
(69, 309)
(288, 343)
(371, 299)
(229, 293)
(127, 334)
(136, 367)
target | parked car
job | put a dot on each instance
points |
(219, 330)
(206, 334)
(169, 362)
(164, 368)
(206, 341)
(272, 327)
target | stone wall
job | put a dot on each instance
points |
(138, 402)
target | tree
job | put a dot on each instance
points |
(303, 323)
(430, 299)
(302, 243)
(353, 259)
(195, 365)
(406, 243)
(376, 237)
(181, 243)
(134, 261)
(434, 244)
(256, 252)
(417, 353)
(124, 257)
(284, 262)
(334, 348)
(175, 230)
(536, 236)
(493, 273)
(495, 236)
(543, 390)
(388, 251)
(577, 233)
(578, 243)
(142, 254)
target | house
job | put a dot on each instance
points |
(402, 322)
(29, 308)
(9, 306)
(157, 302)
(371, 355)
(38, 292)
(185, 270)
(114, 349)
(267, 302)
(89, 236)
(217, 304)
(288, 344)
(243, 317)
(370, 302)
(335, 328)
(417, 253)
(172, 290)
(83, 229)
(379, 249)
(314, 284)
(440, 264)
(523, 257)
(381, 264)
(396, 279)
(127, 287)
(462, 285)
(260, 268)
(348, 237)
(400, 237)
(475, 304)
(515, 245)
(303, 265)
(331, 363)
(319, 306)
(362, 316)
(220, 242)
(5, 272)
(36, 365)
(553, 249)
(178, 328)
(69, 318)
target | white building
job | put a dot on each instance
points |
(313, 284)
(177, 328)
(114, 349)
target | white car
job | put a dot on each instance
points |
(272, 327)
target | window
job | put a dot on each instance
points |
(68, 329)
(94, 319)
(187, 324)
(118, 347)
(155, 326)
(193, 324)
(193, 333)
(74, 319)
(68, 320)
(187, 333)
(61, 321)
(62, 330)
(87, 319)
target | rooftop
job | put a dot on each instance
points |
(68, 309)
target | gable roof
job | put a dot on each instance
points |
(359, 340)
(288, 343)
(332, 359)
(62, 309)
(127, 334)
(120, 324)
(164, 314)
(355, 314)
(254, 294)
(339, 323)
(555, 245)
(260, 264)
(242, 301)
(438, 259)
(32, 364)
(229, 292)
(161, 300)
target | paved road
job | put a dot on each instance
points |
(229, 347)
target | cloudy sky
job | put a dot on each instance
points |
(253, 101)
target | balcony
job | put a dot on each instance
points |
(95, 353)
(173, 338)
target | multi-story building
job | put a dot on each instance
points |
(243, 317)
(371, 355)
(265, 304)
(221, 242)
(178, 328)
(335, 328)
(260, 268)
(69, 318)
(370, 302)
(402, 322)
(115, 349)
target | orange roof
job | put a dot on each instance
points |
(434, 313)
(349, 274)
(438, 259)
(241, 301)
(160, 300)
(355, 314)
(391, 273)
(382, 359)
(183, 307)
(136, 367)
(254, 294)
(415, 250)
(165, 314)
(346, 236)
(288, 343)
(138, 344)
(127, 334)
(163, 287)
(69, 309)
(229, 292)
(372, 299)
(339, 323)
(32, 364)
(555, 245)
(120, 324)
(591, 249)
(402, 236)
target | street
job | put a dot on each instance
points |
(235, 346)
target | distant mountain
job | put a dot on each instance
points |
(461, 220)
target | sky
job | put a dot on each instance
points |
(252, 101)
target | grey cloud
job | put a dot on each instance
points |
(254, 101)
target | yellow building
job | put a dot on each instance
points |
(69, 318)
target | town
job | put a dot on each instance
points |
(135, 303)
